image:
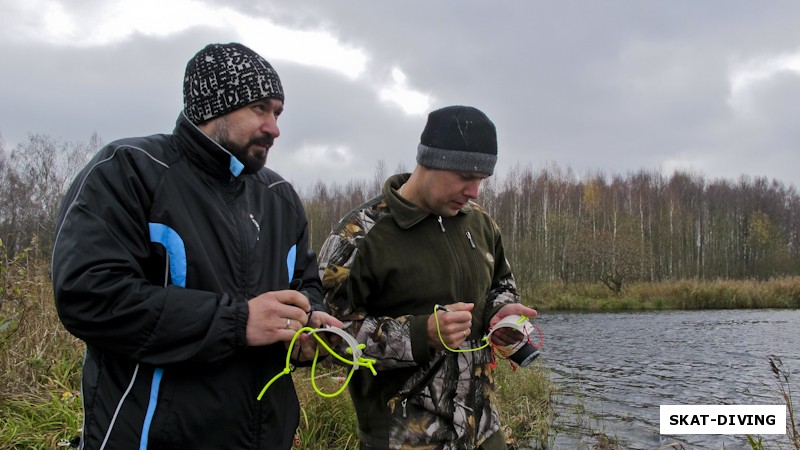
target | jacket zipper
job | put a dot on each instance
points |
(454, 257)
(438, 364)
(475, 271)
(469, 238)
(422, 383)
(258, 227)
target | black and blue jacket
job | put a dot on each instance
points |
(159, 245)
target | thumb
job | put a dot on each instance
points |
(460, 306)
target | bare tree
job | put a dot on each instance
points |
(34, 179)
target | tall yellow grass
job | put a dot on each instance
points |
(40, 364)
(781, 292)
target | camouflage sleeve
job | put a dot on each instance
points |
(394, 342)
(335, 259)
(388, 340)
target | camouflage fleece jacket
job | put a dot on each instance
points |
(383, 269)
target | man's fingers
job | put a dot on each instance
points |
(506, 336)
(459, 314)
(460, 306)
(319, 318)
(530, 313)
(297, 317)
(293, 298)
(275, 316)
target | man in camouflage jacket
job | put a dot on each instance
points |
(386, 266)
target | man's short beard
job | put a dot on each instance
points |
(251, 164)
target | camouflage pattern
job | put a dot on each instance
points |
(417, 401)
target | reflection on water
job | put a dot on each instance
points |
(615, 369)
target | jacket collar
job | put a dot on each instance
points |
(405, 213)
(204, 151)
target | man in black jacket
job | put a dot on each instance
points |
(173, 261)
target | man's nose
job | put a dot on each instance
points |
(270, 125)
(471, 189)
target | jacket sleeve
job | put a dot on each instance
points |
(345, 284)
(104, 271)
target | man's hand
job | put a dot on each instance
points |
(454, 325)
(306, 346)
(509, 336)
(275, 316)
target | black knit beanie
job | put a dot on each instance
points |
(224, 77)
(459, 138)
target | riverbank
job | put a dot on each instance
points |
(666, 295)
(40, 362)
(525, 398)
(40, 367)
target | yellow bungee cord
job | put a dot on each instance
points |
(354, 348)
(441, 339)
(516, 322)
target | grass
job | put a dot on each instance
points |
(524, 397)
(783, 381)
(41, 421)
(40, 362)
(40, 365)
(686, 294)
(324, 422)
(526, 407)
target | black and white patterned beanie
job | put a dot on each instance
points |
(459, 138)
(224, 77)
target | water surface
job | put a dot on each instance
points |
(615, 369)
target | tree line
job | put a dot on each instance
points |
(615, 229)
(557, 226)
(34, 177)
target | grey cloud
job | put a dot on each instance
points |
(612, 86)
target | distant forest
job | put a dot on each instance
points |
(557, 226)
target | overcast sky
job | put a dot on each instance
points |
(609, 86)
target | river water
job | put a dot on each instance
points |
(613, 370)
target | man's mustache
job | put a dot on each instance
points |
(264, 141)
